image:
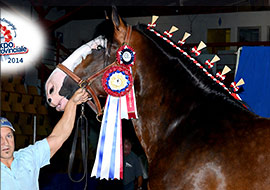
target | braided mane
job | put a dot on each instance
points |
(181, 58)
(199, 76)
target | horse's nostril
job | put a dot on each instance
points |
(49, 100)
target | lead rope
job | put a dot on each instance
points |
(84, 147)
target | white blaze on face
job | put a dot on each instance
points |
(56, 79)
(53, 86)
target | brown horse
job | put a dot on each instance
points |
(195, 134)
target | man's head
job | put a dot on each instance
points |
(127, 146)
(7, 139)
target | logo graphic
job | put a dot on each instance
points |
(22, 42)
(8, 32)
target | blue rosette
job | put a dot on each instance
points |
(117, 81)
(125, 55)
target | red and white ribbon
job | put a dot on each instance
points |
(219, 75)
(168, 34)
(196, 63)
(235, 88)
(128, 105)
(197, 50)
(181, 42)
(237, 97)
(209, 63)
(194, 50)
(150, 25)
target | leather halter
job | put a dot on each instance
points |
(87, 83)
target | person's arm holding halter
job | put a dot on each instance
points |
(65, 125)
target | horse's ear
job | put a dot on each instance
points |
(119, 26)
(115, 17)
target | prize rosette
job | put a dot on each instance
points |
(126, 55)
(117, 81)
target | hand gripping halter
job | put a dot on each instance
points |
(96, 107)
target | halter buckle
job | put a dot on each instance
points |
(83, 84)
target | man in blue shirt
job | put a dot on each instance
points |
(132, 168)
(20, 169)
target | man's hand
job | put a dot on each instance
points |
(64, 127)
(80, 96)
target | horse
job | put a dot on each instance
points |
(195, 134)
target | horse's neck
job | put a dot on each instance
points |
(167, 96)
(162, 99)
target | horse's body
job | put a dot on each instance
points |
(194, 133)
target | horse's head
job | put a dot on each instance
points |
(56, 80)
(86, 61)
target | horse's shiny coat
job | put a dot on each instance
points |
(195, 135)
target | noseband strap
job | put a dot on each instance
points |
(86, 84)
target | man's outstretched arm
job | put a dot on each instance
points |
(65, 125)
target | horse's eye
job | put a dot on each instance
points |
(51, 90)
(99, 47)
